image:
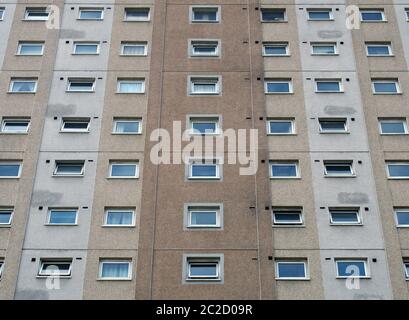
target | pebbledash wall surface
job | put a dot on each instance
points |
(83, 84)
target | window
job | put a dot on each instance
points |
(398, 170)
(284, 170)
(291, 269)
(131, 86)
(280, 126)
(205, 85)
(273, 15)
(127, 126)
(372, 15)
(23, 85)
(15, 125)
(385, 86)
(91, 14)
(75, 125)
(203, 269)
(69, 168)
(1, 266)
(333, 125)
(1, 18)
(352, 268)
(119, 218)
(62, 217)
(134, 48)
(203, 216)
(407, 14)
(341, 216)
(204, 169)
(137, 14)
(204, 125)
(30, 48)
(275, 49)
(406, 266)
(287, 216)
(115, 270)
(10, 169)
(320, 14)
(55, 267)
(338, 169)
(278, 86)
(327, 85)
(378, 49)
(37, 14)
(86, 48)
(205, 14)
(324, 48)
(204, 48)
(393, 126)
(124, 170)
(402, 217)
(6, 215)
(81, 85)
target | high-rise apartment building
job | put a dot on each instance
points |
(84, 85)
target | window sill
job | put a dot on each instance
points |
(321, 20)
(387, 94)
(68, 176)
(279, 93)
(113, 279)
(28, 55)
(133, 55)
(398, 178)
(394, 134)
(292, 279)
(79, 19)
(348, 277)
(61, 225)
(203, 280)
(346, 224)
(85, 54)
(204, 178)
(10, 177)
(285, 178)
(53, 276)
(122, 178)
(5, 225)
(128, 93)
(126, 134)
(74, 131)
(323, 54)
(281, 134)
(340, 176)
(25, 92)
(334, 132)
(278, 21)
(128, 20)
(73, 91)
(276, 55)
(118, 226)
(381, 56)
(373, 21)
(285, 226)
(204, 228)
(14, 133)
(203, 94)
(203, 21)
(329, 92)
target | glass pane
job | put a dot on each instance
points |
(338, 169)
(137, 14)
(205, 50)
(203, 270)
(55, 267)
(115, 270)
(133, 50)
(5, 217)
(17, 126)
(9, 170)
(284, 170)
(351, 268)
(130, 87)
(328, 86)
(273, 15)
(387, 87)
(69, 168)
(398, 170)
(127, 127)
(75, 125)
(23, 86)
(291, 270)
(324, 49)
(205, 15)
(63, 217)
(204, 87)
(86, 48)
(91, 14)
(393, 127)
(281, 127)
(287, 217)
(275, 50)
(204, 127)
(119, 217)
(278, 87)
(32, 49)
(371, 16)
(407, 270)
(378, 50)
(319, 15)
(332, 125)
(403, 218)
(81, 86)
(128, 170)
(203, 218)
(203, 170)
(344, 216)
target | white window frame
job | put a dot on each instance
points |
(79, 43)
(285, 18)
(13, 80)
(345, 120)
(7, 210)
(43, 273)
(204, 162)
(108, 210)
(134, 44)
(379, 44)
(339, 163)
(204, 42)
(69, 162)
(396, 163)
(204, 7)
(34, 9)
(132, 81)
(50, 210)
(396, 211)
(74, 120)
(191, 208)
(372, 10)
(205, 119)
(291, 261)
(84, 80)
(366, 265)
(16, 120)
(30, 43)
(324, 44)
(288, 210)
(274, 80)
(216, 80)
(124, 163)
(116, 120)
(383, 120)
(203, 261)
(329, 10)
(340, 210)
(395, 81)
(148, 18)
(118, 261)
(82, 9)
(276, 44)
(285, 163)
(339, 81)
(19, 163)
(293, 127)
